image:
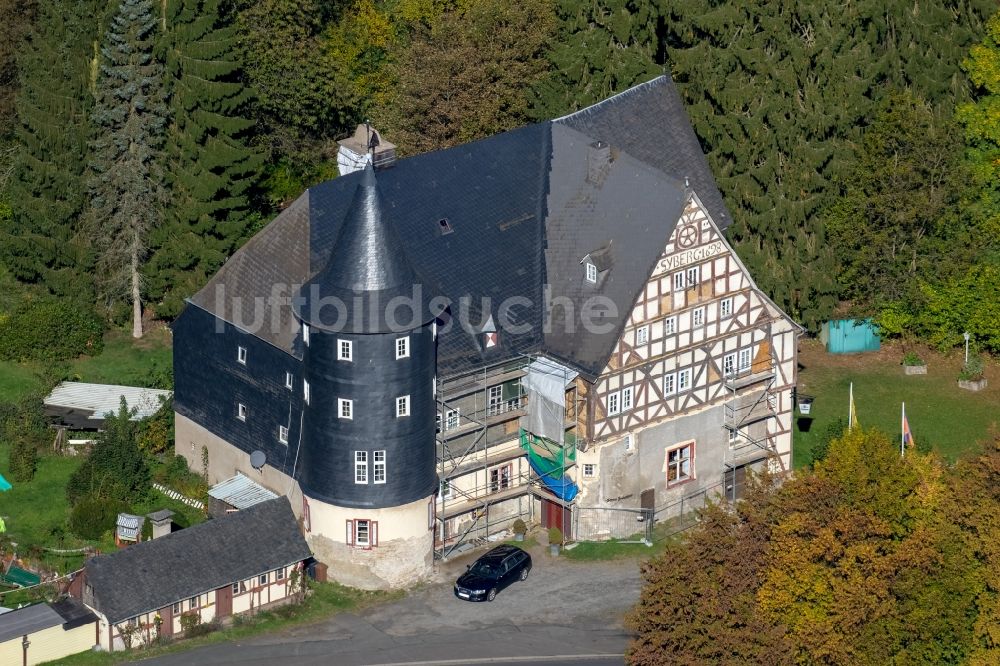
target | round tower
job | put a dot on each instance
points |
(366, 463)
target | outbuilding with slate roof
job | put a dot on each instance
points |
(374, 351)
(247, 560)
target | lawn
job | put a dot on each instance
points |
(124, 361)
(949, 419)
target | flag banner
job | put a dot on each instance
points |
(852, 419)
(907, 434)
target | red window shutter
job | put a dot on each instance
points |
(373, 537)
(350, 532)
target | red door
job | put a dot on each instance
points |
(167, 624)
(224, 601)
(556, 515)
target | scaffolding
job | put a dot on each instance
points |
(749, 410)
(479, 424)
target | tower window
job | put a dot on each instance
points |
(241, 355)
(241, 411)
(283, 434)
(305, 334)
(403, 347)
(360, 467)
(345, 408)
(289, 381)
(362, 533)
(305, 391)
(591, 273)
(378, 466)
(403, 406)
(345, 350)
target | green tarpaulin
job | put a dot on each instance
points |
(546, 454)
(20, 578)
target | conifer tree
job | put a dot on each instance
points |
(42, 242)
(211, 168)
(129, 119)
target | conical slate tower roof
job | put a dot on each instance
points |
(367, 269)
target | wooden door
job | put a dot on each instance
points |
(224, 601)
(167, 625)
(555, 515)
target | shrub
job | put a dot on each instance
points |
(93, 516)
(973, 369)
(23, 460)
(833, 431)
(519, 527)
(115, 468)
(555, 536)
(912, 358)
(190, 622)
(50, 329)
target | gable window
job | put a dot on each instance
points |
(241, 411)
(362, 533)
(262, 579)
(452, 419)
(679, 281)
(305, 334)
(345, 350)
(744, 360)
(192, 603)
(289, 381)
(729, 365)
(591, 273)
(239, 587)
(241, 355)
(670, 325)
(698, 317)
(614, 403)
(345, 408)
(726, 307)
(680, 463)
(670, 383)
(693, 275)
(283, 434)
(360, 467)
(642, 335)
(402, 406)
(684, 380)
(378, 466)
(403, 347)
(626, 399)
(177, 607)
(588, 470)
(279, 574)
(305, 391)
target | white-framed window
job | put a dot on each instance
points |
(452, 419)
(241, 411)
(360, 467)
(239, 587)
(670, 325)
(614, 403)
(734, 436)
(378, 466)
(669, 383)
(345, 408)
(445, 489)
(591, 272)
(726, 307)
(305, 334)
(684, 380)
(345, 350)
(283, 434)
(192, 603)
(642, 335)
(589, 470)
(693, 276)
(402, 406)
(698, 317)
(628, 442)
(241, 355)
(362, 533)
(305, 391)
(289, 381)
(403, 347)
(744, 360)
(680, 463)
(729, 365)
(679, 281)
(262, 579)
(177, 607)
(626, 399)
(279, 574)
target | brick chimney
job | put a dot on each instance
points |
(366, 145)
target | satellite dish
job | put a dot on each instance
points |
(257, 459)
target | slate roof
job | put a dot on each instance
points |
(154, 574)
(522, 210)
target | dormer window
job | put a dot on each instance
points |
(591, 273)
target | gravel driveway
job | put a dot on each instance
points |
(564, 608)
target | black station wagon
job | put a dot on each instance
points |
(493, 572)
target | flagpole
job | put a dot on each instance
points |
(902, 431)
(850, 408)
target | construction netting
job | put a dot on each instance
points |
(549, 460)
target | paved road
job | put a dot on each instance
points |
(566, 613)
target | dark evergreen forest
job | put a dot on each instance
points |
(856, 144)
